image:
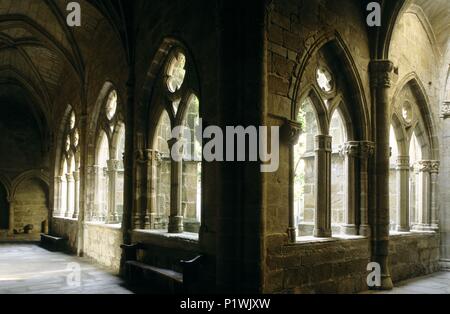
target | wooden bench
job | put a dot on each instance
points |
(161, 280)
(53, 243)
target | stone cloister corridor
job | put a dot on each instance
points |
(224, 146)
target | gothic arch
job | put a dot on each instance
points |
(320, 110)
(333, 42)
(59, 140)
(39, 175)
(6, 184)
(425, 121)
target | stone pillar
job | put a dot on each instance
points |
(153, 158)
(366, 151)
(175, 218)
(76, 207)
(424, 195)
(12, 205)
(290, 133)
(58, 199)
(113, 168)
(350, 152)
(403, 199)
(140, 161)
(434, 172)
(381, 72)
(69, 204)
(96, 171)
(322, 227)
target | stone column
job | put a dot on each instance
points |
(350, 152)
(153, 158)
(366, 151)
(113, 168)
(290, 133)
(12, 205)
(381, 72)
(322, 227)
(424, 193)
(139, 163)
(58, 199)
(176, 217)
(69, 204)
(76, 207)
(402, 170)
(96, 171)
(434, 172)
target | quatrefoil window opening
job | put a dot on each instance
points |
(324, 79)
(176, 72)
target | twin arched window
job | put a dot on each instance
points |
(109, 167)
(177, 147)
(321, 166)
(68, 176)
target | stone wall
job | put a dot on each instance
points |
(102, 244)
(413, 255)
(337, 266)
(68, 229)
(31, 206)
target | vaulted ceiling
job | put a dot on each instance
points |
(38, 48)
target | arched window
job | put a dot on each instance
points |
(394, 193)
(305, 173)
(415, 156)
(109, 167)
(339, 138)
(177, 150)
(67, 181)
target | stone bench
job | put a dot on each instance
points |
(53, 243)
(159, 280)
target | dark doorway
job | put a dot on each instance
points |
(4, 209)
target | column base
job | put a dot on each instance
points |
(351, 230)
(365, 231)
(423, 228)
(176, 224)
(402, 229)
(292, 235)
(320, 233)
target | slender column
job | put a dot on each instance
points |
(366, 151)
(113, 168)
(424, 194)
(69, 204)
(381, 72)
(176, 217)
(402, 170)
(434, 172)
(12, 205)
(322, 228)
(140, 161)
(58, 199)
(76, 207)
(96, 171)
(350, 152)
(153, 158)
(413, 212)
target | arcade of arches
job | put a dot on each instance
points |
(86, 115)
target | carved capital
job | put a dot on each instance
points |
(403, 163)
(381, 73)
(323, 143)
(290, 132)
(139, 156)
(366, 149)
(350, 149)
(424, 166)
(445, 110)
(113, 165)
(435, 165)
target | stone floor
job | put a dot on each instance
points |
(29, 269)
(438, 283)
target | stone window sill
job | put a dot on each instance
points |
(336, 238)
(66, 218)
(103, 225)
(185, 241)
(411, 233)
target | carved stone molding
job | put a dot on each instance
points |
(290, 132)
(435, 165)
(366, 149)
(381, 73)
(350, 149)
(445, 110)
(323, 142)
(424, 166)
